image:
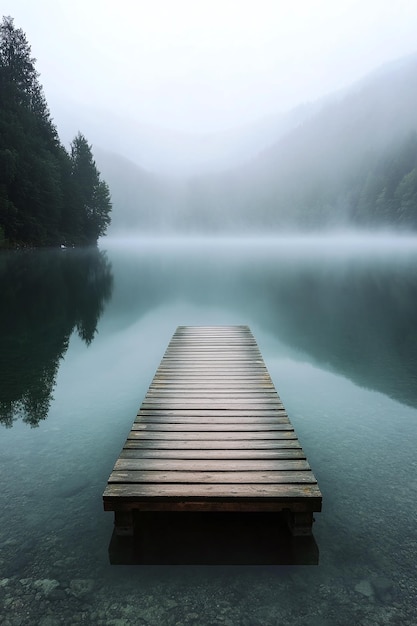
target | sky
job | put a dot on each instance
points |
(208, 65)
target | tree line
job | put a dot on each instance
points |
(376, 190)
(386, 192)
(48, 196)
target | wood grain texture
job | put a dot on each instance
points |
(283, 492)
(199, 465)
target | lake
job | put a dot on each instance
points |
(82, 333)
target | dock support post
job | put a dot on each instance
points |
(300, 524)
(124, 523)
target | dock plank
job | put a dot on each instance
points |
(212, 454)
(213, 444)
(207, 465)
(225, 491)
(194, 476)
(217, 423)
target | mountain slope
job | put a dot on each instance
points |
(349, 160)
(141, 200)
(307, 178)
(174, 153)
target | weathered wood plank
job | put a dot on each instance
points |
(205, 491)
(203, 436)
(215, 477)
(218, 383)
(220, 444)
(218, 369)
(221, 422)
(216, 427)
(210, 392)
(208, 465)
(226, 404)
(212, 414)
(212, 454)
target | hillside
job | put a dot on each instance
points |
(317, 174)
(141, 200)
(174, 153)
(350, 160)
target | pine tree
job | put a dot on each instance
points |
(30, 189)
(18, 74)
(93, 193)
(18, 77)
(47, 196)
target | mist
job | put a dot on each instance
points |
(207, 67)
(236, 117)
(347, 162)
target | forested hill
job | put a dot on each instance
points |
(354, 163)
(48, 196)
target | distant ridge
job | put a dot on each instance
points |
(306, 173)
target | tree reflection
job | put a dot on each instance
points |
(359, 320)
(45, 296)
(354, 314)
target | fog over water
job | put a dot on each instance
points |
(337, 242)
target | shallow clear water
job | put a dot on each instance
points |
(82, 334)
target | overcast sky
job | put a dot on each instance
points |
(203, 65)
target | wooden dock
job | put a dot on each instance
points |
(212, 435)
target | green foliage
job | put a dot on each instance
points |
(2, 238)
(386, 193)
(47, 196)
(378, 191)
(94, 195)
(406, 199)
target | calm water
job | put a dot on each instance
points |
(81, 336)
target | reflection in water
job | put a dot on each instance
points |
(351, 311)
(345, 309)
(359, 321)
(47, 294)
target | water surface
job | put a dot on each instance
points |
(82, 335)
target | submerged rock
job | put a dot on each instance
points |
(81, 586)
(46, 585)
(365, 588)
(50, 620)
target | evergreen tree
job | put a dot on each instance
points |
(406, 200)
(47, 196)
(94, 195)
(18, 74)
(19, 82)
